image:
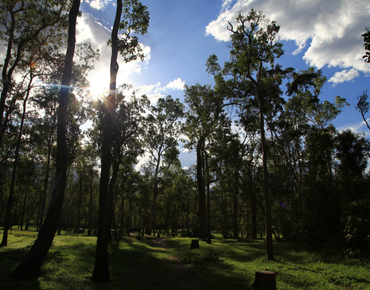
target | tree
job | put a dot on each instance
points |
(27, 26)
(163, 128)
(351, 151)
(15, 163)
(135, 20)
(254, 49)
(31, 264)
(205, 107)
(363, 106)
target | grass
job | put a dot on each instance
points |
(296, 267)
(137, 264)
(134, 264)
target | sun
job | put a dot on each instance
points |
(98, 85)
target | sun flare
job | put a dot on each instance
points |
(98, 86)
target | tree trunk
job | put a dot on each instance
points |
(252, 199)
(91, 201)
(30, 266)
(46, 182)
(235, 199)
(264, 280)
(269, 247)
(209, 235)
(155, 195)
(202, 195)
(7, 74)
(101, 269)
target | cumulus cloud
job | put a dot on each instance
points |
(343, 76)
(156, 91)
(98, 4)
(177, 84)
(331, 29)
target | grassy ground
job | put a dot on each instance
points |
(296, 267)
(137, 264)
(134, 264)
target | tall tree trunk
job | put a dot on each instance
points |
(252, 200)
(46, 182)
(30, 266)
(202, 195)
(209, 236)
(91, 201)
(269, 247)
(7, 73)
(24, 206)
(235, 199)
(101, 269)
(155, 195)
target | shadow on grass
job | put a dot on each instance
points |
(221, 274)
(9, 260)
(136, 267)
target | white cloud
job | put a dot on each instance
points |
(177, 84)
(333, 26)
(98, 4)
(226, 5)
(359, 127)
(154, 92)
(343, 76)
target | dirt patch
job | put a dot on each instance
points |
(187, 280)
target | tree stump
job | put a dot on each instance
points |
(264, 280)
(194, 244)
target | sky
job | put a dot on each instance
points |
(325, 34)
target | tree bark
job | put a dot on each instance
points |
(264, 280)
(101, 269)
(155, 195)
(30, 266)
(269, 247)
(202, 195)
(235, 198)
(209, 235)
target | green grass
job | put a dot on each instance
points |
(134, 264)
(137, 264)
(296, 267)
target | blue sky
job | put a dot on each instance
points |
(182, 34)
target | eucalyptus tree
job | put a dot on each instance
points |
(205, 107)
(352, 151)
(15, 164)
(126, 140)
(307, 142)
(28, 26)
(135, 21)
(163, 128)
(31, 264)
(253, 53)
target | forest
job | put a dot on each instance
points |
(269, 162)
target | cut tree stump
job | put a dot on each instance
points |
(264, 280)
(194, 244)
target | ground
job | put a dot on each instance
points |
(187, 280)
